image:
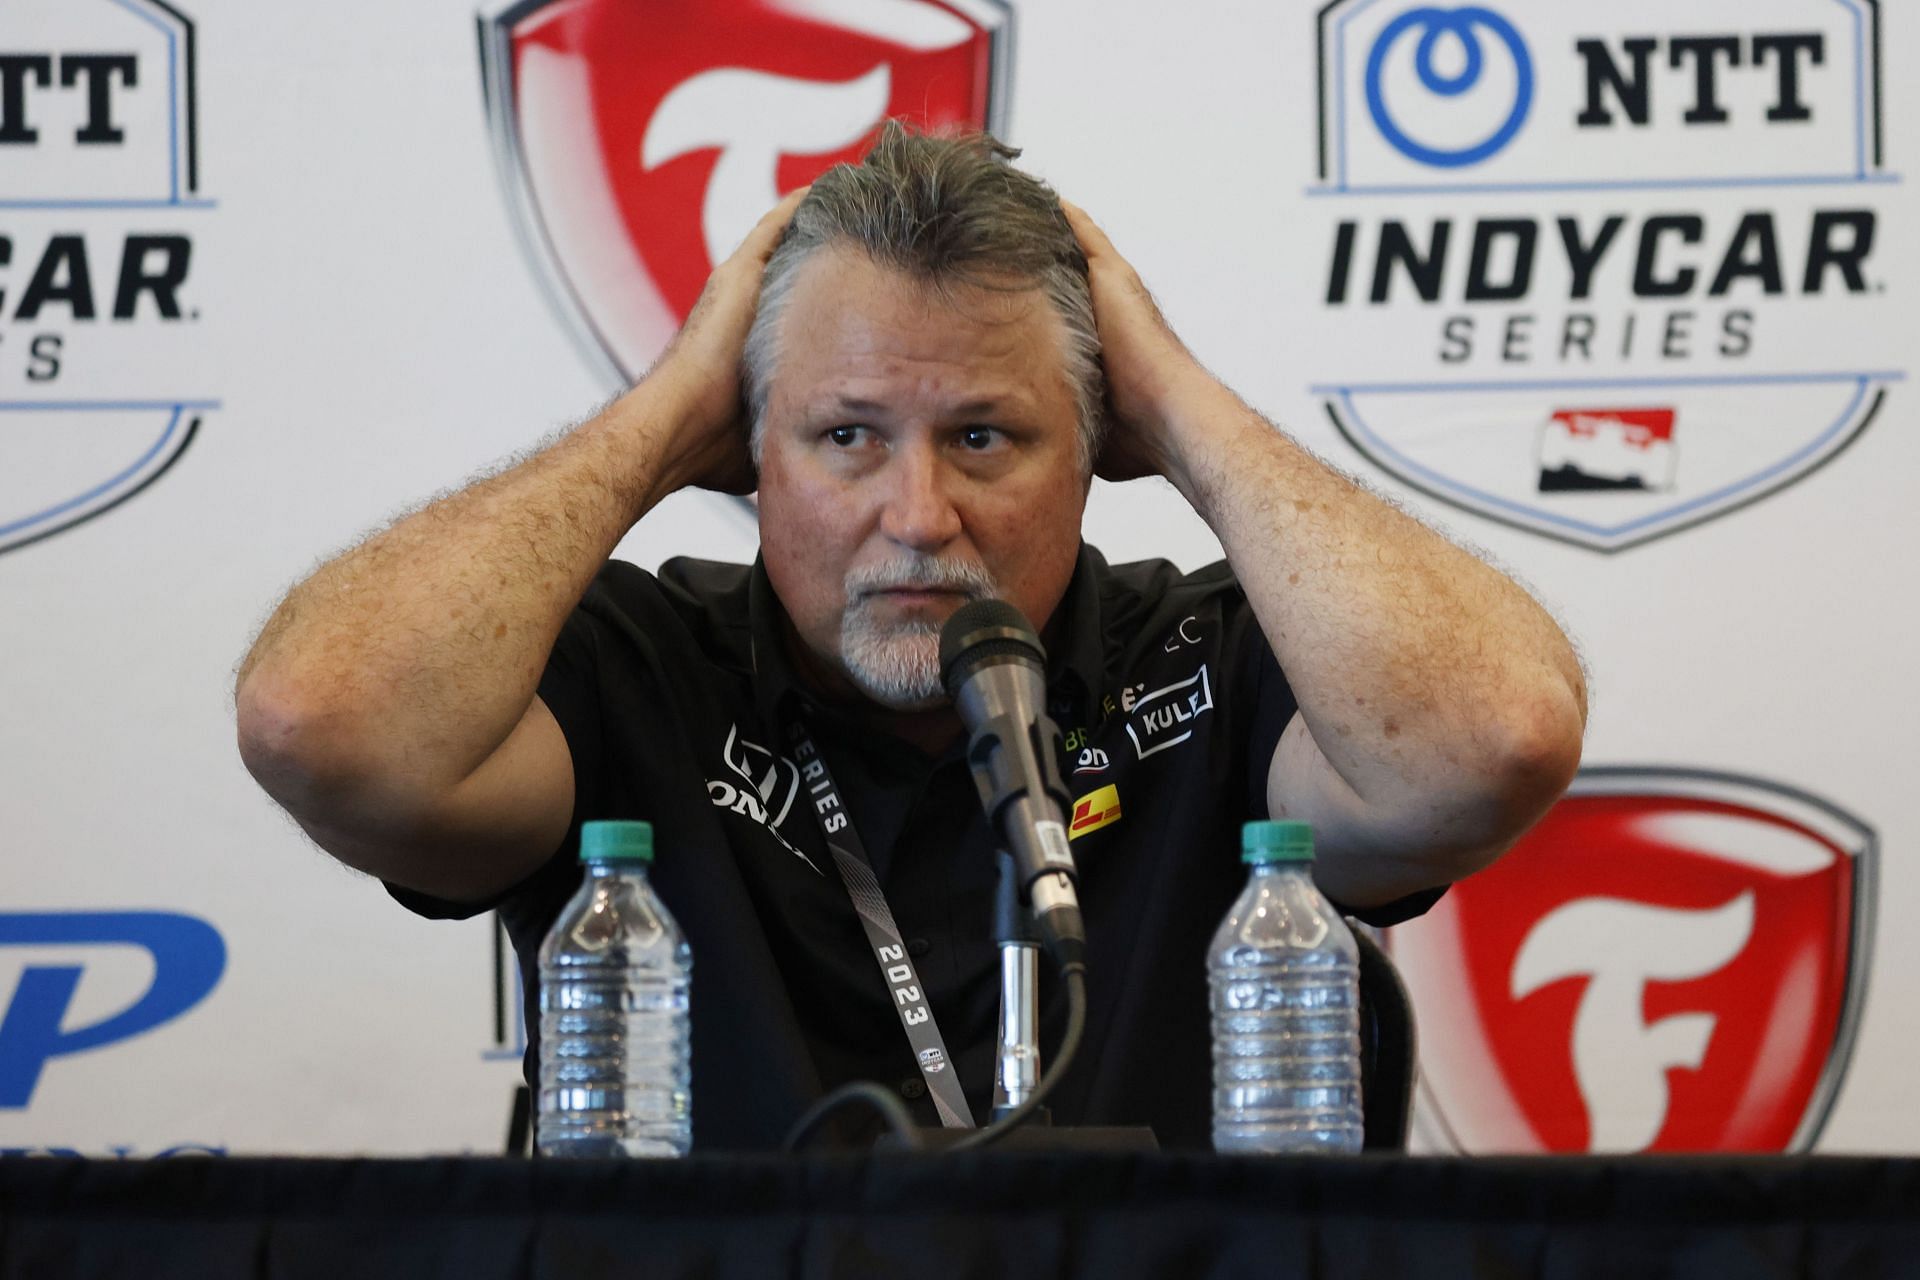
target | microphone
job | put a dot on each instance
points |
(994, 670)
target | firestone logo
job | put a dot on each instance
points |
(1550, 225)
(639, 140)
(1673, 960)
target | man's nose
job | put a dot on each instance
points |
(919, 511)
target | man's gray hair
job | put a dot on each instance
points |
(944, 210)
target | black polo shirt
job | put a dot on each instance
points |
(675, 693)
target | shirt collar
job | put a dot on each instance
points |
(1075, 659)
(775, 683)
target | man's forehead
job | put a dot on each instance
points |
(843, 280)
(869, 397)
(853, 329)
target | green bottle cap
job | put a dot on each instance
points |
(616, 842)
(1264, 842)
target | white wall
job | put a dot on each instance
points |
(360, 326)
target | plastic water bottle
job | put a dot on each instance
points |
(615, 1067)
(1284, 973)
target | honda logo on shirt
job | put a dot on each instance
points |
(640, 140)
(1672, 960)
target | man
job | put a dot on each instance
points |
(922, 341)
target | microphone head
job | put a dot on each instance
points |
(985, 631)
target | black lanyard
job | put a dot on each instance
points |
(883, 935)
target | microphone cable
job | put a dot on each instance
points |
(1075, 973)
(867, 1093)
(900, 1122)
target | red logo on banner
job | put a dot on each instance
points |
(1607, 449)
(1670, 961)
(641, 139)
(1636, 428)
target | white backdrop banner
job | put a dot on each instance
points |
(1618, 294)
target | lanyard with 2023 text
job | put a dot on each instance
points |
(883, 935)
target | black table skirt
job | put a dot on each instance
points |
(985, 1215)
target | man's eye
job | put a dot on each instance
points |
(845, 437)
(977, 438)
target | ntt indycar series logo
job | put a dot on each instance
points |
(99, 199)
(1604, 272)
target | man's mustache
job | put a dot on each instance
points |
(921, 573)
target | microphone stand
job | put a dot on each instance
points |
(993, 666)
(1016, 1072)
(1017, 1065)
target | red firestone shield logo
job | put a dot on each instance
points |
(1672, 960)
(640, 140)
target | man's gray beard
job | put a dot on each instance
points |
(898, 665)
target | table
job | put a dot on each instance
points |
(978, 1214)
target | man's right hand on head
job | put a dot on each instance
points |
(701, 368)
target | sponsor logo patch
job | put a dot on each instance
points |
(1164, 718)
(762, 790)
(1183, 635)
(1091, 760)
(1093, 811)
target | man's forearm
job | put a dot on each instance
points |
(411, 657)
(1441, 709)
(1438, 689)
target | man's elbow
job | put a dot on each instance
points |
(1537, 760)
(1525, 764)
(297, 751)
